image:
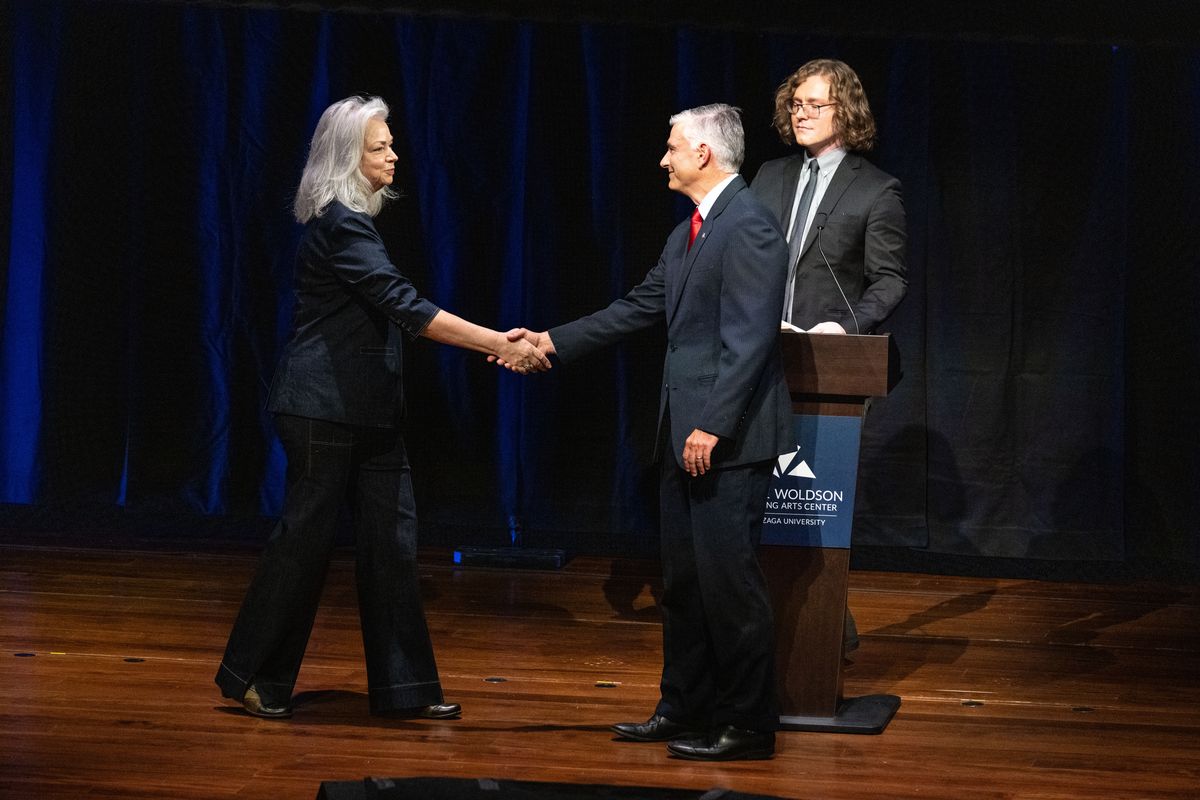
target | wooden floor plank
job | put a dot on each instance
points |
(1011, 689)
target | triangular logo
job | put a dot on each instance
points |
(791, 465)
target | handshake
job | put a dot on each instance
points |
(523, 351)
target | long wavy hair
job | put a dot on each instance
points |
(334, 160)
(853, 123)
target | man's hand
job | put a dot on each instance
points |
(522, 337)
(697, 452)
(539, 340)
(517, 352)
(827, 327)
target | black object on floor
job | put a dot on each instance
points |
(491, 789)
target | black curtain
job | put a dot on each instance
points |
(149, 153)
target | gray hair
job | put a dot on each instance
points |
(334, 160)
(720, 127)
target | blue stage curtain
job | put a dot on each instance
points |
(32, 82)
(151, 151)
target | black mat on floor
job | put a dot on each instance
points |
(490, 789)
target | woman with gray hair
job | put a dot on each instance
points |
(337, 401)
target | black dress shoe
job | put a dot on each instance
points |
(436, 711)
(656, 729)
(726, 743)
(254, 705)
(440, 711)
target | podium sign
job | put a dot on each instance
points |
(811, 500)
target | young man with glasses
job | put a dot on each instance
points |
(842, 215)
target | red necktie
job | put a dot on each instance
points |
(697, 221)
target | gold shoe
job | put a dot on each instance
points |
(255, 706)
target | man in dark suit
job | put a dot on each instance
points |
(724, 416)
(846, 238)
(843, 216)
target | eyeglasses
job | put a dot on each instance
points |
(808, 109)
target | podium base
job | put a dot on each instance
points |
(868, 714)
(519, 557)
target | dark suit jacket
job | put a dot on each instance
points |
(343, 360)
(863, 239)
(720, 300)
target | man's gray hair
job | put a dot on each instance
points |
(720, 127)
(333, 171)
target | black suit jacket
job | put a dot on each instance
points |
(720, 300)
(343, 360)
(863, 238)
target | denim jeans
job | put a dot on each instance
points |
(329, 463)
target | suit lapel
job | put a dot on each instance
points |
(787, 192)
(845, 175)
(691, 256)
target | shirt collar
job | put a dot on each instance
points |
(828, 161)
(709, 199)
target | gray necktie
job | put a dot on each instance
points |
(796, 239)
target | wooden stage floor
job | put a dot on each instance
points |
(1011, 688)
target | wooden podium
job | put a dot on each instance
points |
(827, 376)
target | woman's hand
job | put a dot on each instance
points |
(518, 351)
